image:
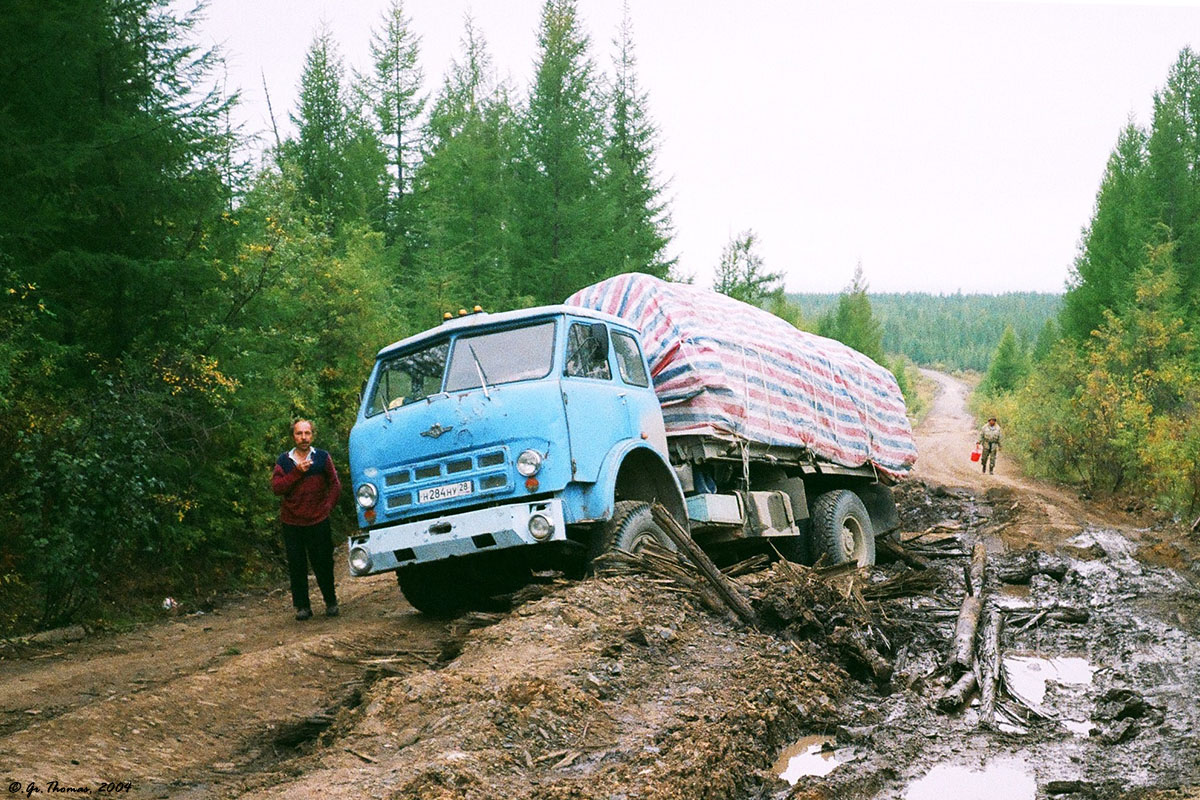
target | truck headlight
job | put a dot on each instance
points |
(360, 561)
(367, 495)
(529, 462)
(540, 527)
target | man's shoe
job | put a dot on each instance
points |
(303, 613)
(331, 611)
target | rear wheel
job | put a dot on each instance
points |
(631, 528)
(842, 529)
(793, 548)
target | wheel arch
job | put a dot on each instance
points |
(644, 476)
(633, 470)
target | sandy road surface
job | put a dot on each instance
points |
(197, 695)
(944, 443)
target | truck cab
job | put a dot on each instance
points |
(500, 443)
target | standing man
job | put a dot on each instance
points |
(308, 483)
(990, 437)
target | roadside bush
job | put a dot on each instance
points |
(1118, 413)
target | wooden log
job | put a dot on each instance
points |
(858, 648)
(1029, 616)
(988, 663)
(978, 568)
(898, 551)
(956, 694)
(964, 632)
(687, 545)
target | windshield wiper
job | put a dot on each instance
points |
(479, 369)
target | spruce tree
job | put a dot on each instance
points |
(111, 148)
(1173, 166)
(852, 322)
(1047, 337)
(392, 94)
(740, 274)
(341, 160)
(1113, 242)
(1008, 367)
(322, 124)
(641, 224)
(561, 220)
(464, 187)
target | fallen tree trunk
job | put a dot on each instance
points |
(687, 546)
(988, 665)
(968, 614)
(957, 693)
(964, 632)
(901, 553)
(1030, 616)
(857, 647)
(978, 568)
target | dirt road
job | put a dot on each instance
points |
(196, 694)
(626, 687)
(944, 442)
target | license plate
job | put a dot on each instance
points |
(445, 492)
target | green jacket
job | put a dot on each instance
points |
(991, 435)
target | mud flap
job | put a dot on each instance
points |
(881, 506)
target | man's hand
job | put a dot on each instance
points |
(304, 465)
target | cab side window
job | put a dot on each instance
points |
(629, 360)
(585, 358)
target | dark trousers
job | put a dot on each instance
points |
(310, 544)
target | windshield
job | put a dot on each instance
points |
(496, 357)
(408, 378)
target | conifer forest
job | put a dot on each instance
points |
(174, 295)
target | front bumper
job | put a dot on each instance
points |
(451, 535)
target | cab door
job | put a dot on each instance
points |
(642, 408)
(596, 405)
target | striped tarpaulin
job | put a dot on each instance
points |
(723, 367)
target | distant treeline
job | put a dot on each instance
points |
(957, 331)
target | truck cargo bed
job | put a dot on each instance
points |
(727, 373)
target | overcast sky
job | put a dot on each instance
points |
(946, 145)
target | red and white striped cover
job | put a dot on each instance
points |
(723, 367)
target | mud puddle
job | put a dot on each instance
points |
(1101, 668)
(1027, 675)
(811, 756)
(1001, 779)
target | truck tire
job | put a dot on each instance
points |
(432, 590)
(630, 528)
(842, 529)
(796, 549)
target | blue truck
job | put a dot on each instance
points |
(499, 444)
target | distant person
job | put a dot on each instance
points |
(308, 483)
(989, 438)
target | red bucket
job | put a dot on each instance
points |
(976, 453)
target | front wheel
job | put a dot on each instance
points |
(842, 530)
(443, 588)
(631, 528)
(434, 590)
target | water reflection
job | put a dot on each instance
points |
(1004, 779)
(812, 755)
(1026, 676)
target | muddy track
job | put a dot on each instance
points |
(625, 687)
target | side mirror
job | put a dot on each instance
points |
(598, 332)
